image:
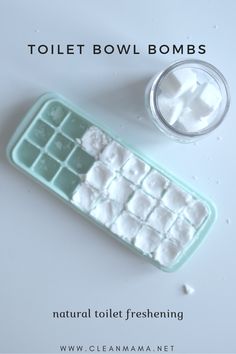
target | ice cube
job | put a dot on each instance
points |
(147, 240)
(196, 213)
(114, 155)
(167, 252)
(94, 141)
(182, 231)
(84, 197)
(155, 184)
(120, 189)
(175, 198)
(135, 169)
(169, 108)
(126, 226)
(178, 82)
(106, 211)
(206, 100)
(99, 175)
(140, 204)
(161, 219)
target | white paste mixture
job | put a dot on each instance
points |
(136, 202)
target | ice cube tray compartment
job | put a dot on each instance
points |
(66, 181)
(54, 113)
(60, 147)
(130, 197)
(48, 148)
(40, 133)
(80, 161)
(74, 126)
(26, 153)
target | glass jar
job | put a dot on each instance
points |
(187, 100)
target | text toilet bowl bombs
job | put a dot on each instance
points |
(120, 49)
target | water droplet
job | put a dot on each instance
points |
(227, 221)
(217, 181)
(219, 138)
(195, 144)
(215, 26)
(195, 178)
(36, 30)
(139, 118)
(188, 37)
(121, 126)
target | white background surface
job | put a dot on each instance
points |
(54, 260)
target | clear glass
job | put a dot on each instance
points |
(204, 72)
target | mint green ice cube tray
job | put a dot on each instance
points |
(126, 194)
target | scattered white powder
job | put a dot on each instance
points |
(155, 184)
(175, 198)
(135, 169)
(182, 232)
(188, 290)
(126, 226)
(94, 140)
(147, 239)
(178, 82)
(99, 175)
(196, 213)
(106, 211)
(84, 197)
(115, 155)
(120, 189)
(167, 252)
(140, 204)
(161, 219)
